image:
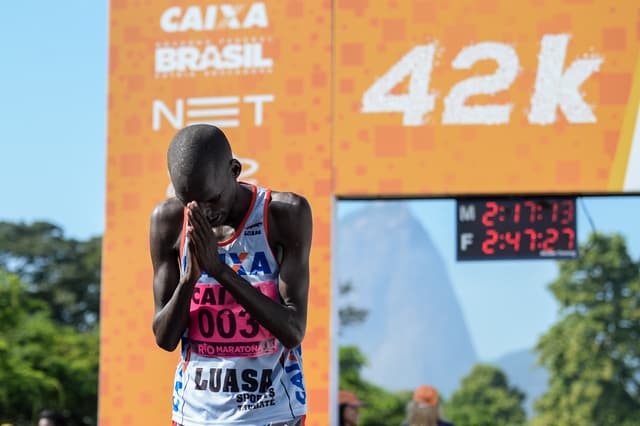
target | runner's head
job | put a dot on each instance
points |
(202, 169)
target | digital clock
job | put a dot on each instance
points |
(516, 228)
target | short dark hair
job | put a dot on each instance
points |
(193, 147)
(56, 417)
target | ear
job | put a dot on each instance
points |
(236, 168)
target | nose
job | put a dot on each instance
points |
(209, 212)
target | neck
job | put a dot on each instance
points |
(240, 206)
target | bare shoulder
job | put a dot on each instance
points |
(166, 220)
(169, 210)
(289, 203)
(289, 213)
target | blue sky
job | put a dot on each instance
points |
(53, 94)
(506, 304)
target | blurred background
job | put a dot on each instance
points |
(53, 107)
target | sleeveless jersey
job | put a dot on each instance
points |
(232, 370)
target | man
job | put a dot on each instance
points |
(231, 282)
(424, 409)
(348, 408)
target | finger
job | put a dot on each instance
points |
(196, 231)
(200, 244)
(200, 213)
(190, 264)
(203, 229)
(196, 217)
(193, 205)
(189, 252)
(193, 267)
(193, 259)
(200, 262)
(196, 255)
(194, 237)
(192, 249)
(193, 242)
(200, 217)
(190, 227)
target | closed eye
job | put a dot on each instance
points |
(215, 199)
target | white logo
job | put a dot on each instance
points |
(211, 58)
(557, 86)
(214, 17)
(207, 56)
(221, 111)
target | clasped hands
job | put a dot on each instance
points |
(203, 244)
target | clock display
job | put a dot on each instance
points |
(516, 228)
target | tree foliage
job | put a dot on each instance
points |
(593, 352)
(485, 398)
(349, 315)
(383, 407)
(64, 272)
(43, 364)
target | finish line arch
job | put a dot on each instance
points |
(351, 99)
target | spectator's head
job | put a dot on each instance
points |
(424, 408)
(426, 395)
(349, 408)
(51, 418)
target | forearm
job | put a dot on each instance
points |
(282, 321)
(171, 321)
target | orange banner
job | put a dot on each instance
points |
(497, 96)
(259, 70)
(403, 98)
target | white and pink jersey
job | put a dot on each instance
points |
(232, 370)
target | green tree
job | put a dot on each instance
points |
(485, 398)
(349, 315)
(64, 272)
(383, 408)
(593, 352)
(43, 364)
(350, 362)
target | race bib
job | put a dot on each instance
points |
(220, 327)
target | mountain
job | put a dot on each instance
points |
(522, 372)
(415, 332)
